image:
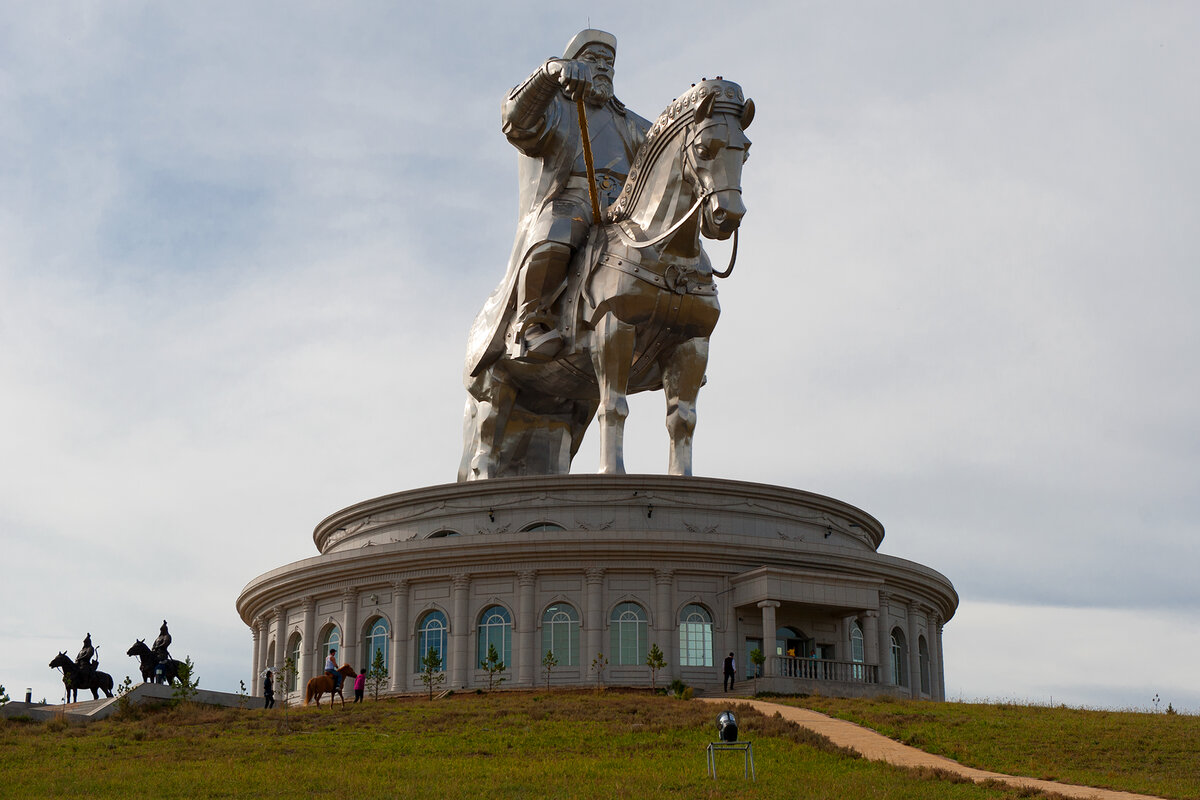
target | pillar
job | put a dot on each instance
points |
(595, 617)
(885, 642)
(460, 630)
(349, 628)
(400, 634)
(664, 620)
(280, 645)
(768, 636)
(255, 682)
(937, 677)
(308, 647)
(914, 652)
(525, 648)
(871, 639)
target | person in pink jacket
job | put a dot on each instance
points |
(360, 683)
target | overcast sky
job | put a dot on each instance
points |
(241, 246)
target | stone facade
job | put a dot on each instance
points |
(590, 564)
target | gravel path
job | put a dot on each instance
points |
(876, 747)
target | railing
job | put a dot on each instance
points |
(820, 669)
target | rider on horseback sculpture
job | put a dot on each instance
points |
(161, 644)
(541, 120)
(86, 661)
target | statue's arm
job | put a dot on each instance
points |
(529, 110)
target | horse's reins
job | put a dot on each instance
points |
(629, 240)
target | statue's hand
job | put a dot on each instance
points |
(575, 76)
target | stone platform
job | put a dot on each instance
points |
(608, 564)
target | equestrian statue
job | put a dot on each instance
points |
(83, 672)
(608, 290)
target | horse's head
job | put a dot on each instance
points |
(136, 648)
(705, 132)
(715, 150)
(61, 660)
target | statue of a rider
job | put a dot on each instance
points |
(540, 118)
(161, 644)
(86, 661)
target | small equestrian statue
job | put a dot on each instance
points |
(82, 673)
(157, 666)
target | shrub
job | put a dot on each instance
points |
(655, 661)
(377, 675)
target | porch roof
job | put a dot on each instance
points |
(825, 589)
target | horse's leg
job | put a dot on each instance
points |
(612, 360)
(683, 372)
(491, 418)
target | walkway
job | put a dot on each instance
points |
(877, 747)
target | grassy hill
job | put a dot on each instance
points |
(507, 745)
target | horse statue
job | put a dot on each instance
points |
(324, 684)
(75, 679)
(150, 664)
(637, 310)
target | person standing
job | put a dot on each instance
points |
(360, 684)
(730, 671)
(268, 690)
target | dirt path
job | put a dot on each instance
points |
(877, 747)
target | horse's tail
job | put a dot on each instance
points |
(309, 691)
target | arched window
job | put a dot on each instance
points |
(495, 628)
(331, 641)
(923, 655)
(377, 642)
(271, 655)
(899, 658)
(695, 637)
(431, 633)
(294, 652)
(560, 633)
(542, 526)
(858, 652)
(628, 626)
(442, 534)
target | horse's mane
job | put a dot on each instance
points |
(673, 119)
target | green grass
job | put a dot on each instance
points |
(508, 745)
(1156, 754)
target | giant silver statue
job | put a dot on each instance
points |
(588, 313)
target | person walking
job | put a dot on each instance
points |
(360, 683)
(730, 671)
(268, 690)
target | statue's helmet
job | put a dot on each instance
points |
(586, 37)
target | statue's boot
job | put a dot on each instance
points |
(542, 276)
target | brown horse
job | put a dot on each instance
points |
(323, 684)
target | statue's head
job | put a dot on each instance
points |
(599, 49)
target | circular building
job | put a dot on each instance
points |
(597, 569)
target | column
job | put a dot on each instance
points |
(280, 644)
(768, 636)
(350, 628)
(308, 647)
(525, 648)
(885, 642)
(400, 634)
(871, 639)
(936, 672)
(664, 620)
(460, 630)
(594, 622)
(914, 651)
(255, 682)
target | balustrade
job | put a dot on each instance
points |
(821, 669)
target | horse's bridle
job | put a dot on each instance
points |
(691, 212)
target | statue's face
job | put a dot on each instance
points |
(602, 60)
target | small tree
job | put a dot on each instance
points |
(123, 704)
(549, 662)
(431, 670)
(188, 683)
(757, 659)
(494, 667)
(377, 675)
(243, 695)
(599, 663)
(655, 661)
(4, 698)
